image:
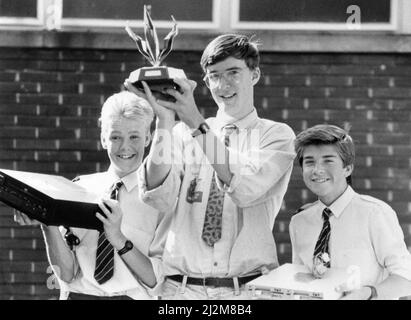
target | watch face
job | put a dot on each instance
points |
(129, 245)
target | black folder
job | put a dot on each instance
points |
(50, 199)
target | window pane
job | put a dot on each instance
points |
(313, 10)
(18, 8)
(182, 10)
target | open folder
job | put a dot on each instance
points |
(293, 281)
(50, 199)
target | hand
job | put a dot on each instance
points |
(353, 294)
(162, 113)
(23, 220)
(185, 105)
(112, 223)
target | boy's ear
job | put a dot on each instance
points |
(103, 140)
(148, 138)
(348, 170)
(256, 75)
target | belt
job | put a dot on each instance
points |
(216, 282)
(82, 296)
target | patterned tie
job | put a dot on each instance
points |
(214, 211)
(324, 237)
(105, 252)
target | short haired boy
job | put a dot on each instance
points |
(352, 231)
(221, 233)
(133, 229)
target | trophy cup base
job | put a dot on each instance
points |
(159, 79)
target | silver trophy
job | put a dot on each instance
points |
(159, 78)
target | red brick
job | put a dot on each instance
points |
(101, 66)
(392, 93)
(13, 109)
(59, 156)
(36, 121)
(78, 122)
(306, 92)
(57, 133)
(98, 88)
(80, 77)
(46, 99)
(7, 76)
(59, 87)
(371, 82)
(81, 99)
(16, 155)
(35, 144)
(38, 76)
(23, 266)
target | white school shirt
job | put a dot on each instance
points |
(143, 225)
(265, 152)
(366, 237)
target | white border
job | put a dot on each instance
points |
(74, 23)
(26, 22)
(236, 24)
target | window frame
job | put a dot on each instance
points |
(81, 23)
(22, 22)
(236, 24)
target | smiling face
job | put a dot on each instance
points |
(125, 140)
(231, 84)
(324, 172)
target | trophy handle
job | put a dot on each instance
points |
(139, 43)
(168, 42)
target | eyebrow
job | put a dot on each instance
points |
(229, 69)
(326, 156)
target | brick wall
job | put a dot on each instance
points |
(50, 100)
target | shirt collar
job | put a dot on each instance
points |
(338, 206)
(130, 180)
(223, 119)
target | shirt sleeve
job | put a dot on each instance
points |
(388, 240)
(258, 171)
(156, 253)
(165, 195)
(295, 257)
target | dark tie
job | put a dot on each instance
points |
(214, 211)
(324, 237)
(105, 252)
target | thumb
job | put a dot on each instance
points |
(193, 84)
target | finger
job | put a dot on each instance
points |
(16, 215)
(105, 210)
(130, 87)
(26, 219)
(101, 218)
(185, 84)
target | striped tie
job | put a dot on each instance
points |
(324, 237)
(105, 252)
(214, 212)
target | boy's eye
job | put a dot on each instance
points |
(233, 73)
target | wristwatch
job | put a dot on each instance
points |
(203, 128)
(127, 247)
(373, 294)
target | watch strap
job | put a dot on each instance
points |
(203, 128)
(128, 245)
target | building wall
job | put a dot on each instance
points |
(50, 100)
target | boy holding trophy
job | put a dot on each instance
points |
(225, 177)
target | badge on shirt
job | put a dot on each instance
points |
(192, 194)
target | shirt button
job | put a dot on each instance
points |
(215, 264)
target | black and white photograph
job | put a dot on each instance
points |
(227, 150)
